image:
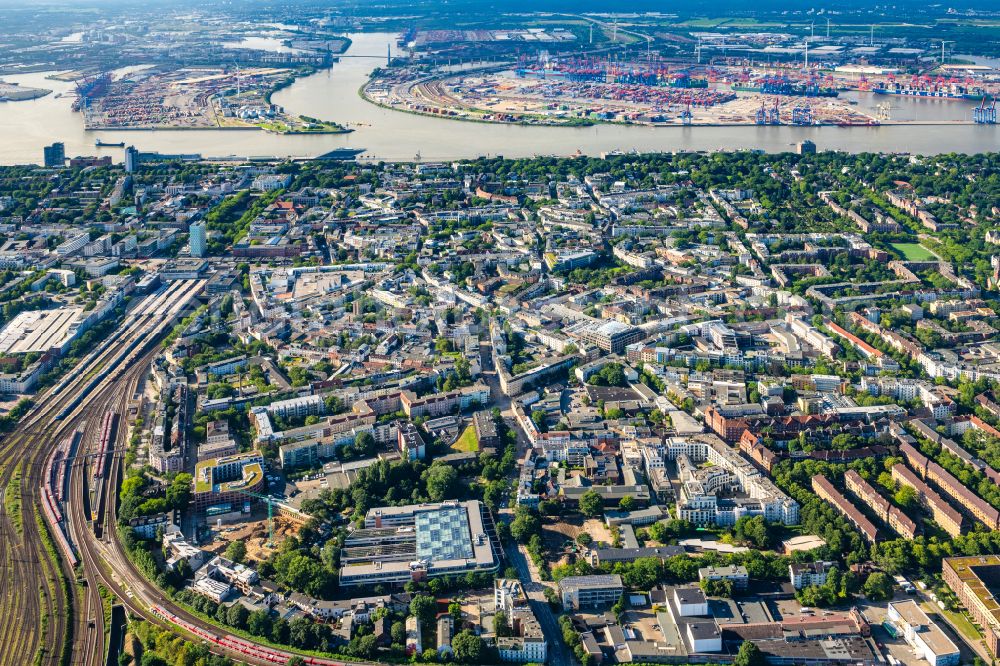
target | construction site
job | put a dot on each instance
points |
(254, 532)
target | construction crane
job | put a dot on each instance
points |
(270, 501)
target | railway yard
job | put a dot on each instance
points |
(38, 582)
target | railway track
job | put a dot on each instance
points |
(31, 589)
(79, 402)
(90, 631)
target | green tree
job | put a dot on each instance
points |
(236, 551)
(591, 504)
(525, 525)
(753, 531)
(717, 588)
(906, 497)
(878, 586)
(364, 444)
(398, 633)
(259, 623)
(179, 491)
(628, 503)
(441, 482)
(423, 607)
(469, 648)
(501, 624)
(455, 610)
(749, 655)
(237, 616)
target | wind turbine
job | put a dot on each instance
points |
(943, 42)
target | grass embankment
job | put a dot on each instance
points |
(107, 601)
(962, 623)
(12, 500)
(54, 558)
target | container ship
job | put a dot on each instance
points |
(786, 88)
(90, 88)
(930, 91)
(685, 81)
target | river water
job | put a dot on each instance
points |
(25, 127)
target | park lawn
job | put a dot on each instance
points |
(913, 251)
(468, 442)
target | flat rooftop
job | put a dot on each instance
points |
(929, 632)
(38, 330)
(444, 534)
(449, 537)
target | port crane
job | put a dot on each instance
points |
(686, 115)
(985, 115)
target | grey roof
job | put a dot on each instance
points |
(690, 595)
(632, 554)
(703, 629)
(577, 582)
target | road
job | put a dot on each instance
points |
(534, 587)
(559, 654)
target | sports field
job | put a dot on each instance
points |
(913, 251)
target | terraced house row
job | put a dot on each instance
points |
(887, 513)
(943, 513)
(928, 469)
(825, 490)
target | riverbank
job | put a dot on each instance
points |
(389, 134)
(571, 123)
(500, 93)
